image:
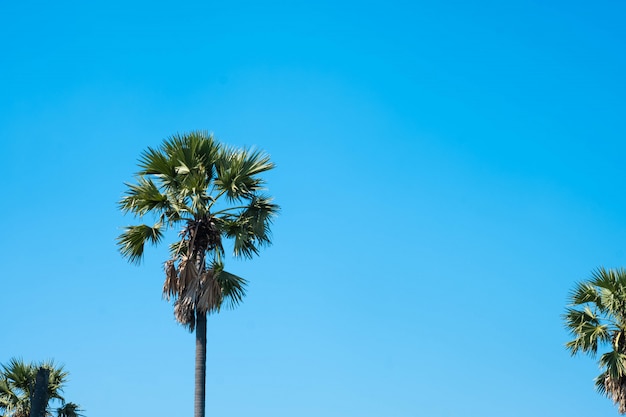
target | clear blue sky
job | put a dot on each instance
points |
(447, 170)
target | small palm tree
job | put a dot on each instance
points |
(17, 382)
(597, 319)
(208, 192)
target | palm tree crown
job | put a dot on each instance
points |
(596, 318)
(17, 380)
(208, 192)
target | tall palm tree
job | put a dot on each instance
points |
(17, 381)
(596, 319)
(208, 192)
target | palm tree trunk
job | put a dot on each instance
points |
(200, 394)
(39, 395)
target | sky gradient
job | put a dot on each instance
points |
(446, 171)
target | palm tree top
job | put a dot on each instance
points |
(208, 192)
(17, 379)
(193, 179)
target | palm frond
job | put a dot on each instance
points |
(11, 396)
(245, 243)
(588, 330)
(185, 312)
(237, 172)
(170, 286)
(611, 289)
(155, 162)
(615, 364)
(69, 410)
(188, 278)
(185, 154)
(584, 292)
(600, 382)
(606, 278)
(233, 287)
(132, 241)
(576, 319)
(195, 151)
(259, 215)
(20, 374)
(209, 296)
(250, 229)
(144, 197)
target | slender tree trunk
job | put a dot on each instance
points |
(200, 390)
(39, 395)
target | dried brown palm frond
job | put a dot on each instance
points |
(184, 312)
(187, 276)
(210, 294)
(179, 279)
(193, 292)
(615, 388)
(170, 286)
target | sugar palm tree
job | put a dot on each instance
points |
(208, 193)
(17, 381)
(596, 319)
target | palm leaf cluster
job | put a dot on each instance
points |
(596, 319)
(17, 381)
(207, 192)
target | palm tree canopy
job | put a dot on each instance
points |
(208, 192)
(596, 319)
(17, 380)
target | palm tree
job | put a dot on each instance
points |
(208, 192)
(17, 381)
(597, 319)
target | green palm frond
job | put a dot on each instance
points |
(193, 152)
(184, 153)
(576, 319)
(589, 332)
(11, 396)
(4, 389)
(178, 249)
(600, 382)
(606, 278)
(20, 374)
(144, 197)
(199, 202)
(233, 287)
(154, 162)
(615, 364)
(259, 215)
(237, 172)
(611, 288)
(69, 410)
(132, 241)
(245, 242)
(583, 293)
(250, 229)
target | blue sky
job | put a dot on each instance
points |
(446, 171)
